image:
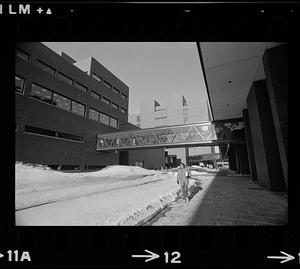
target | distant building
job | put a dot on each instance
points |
(177, 110)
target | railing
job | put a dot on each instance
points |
(174, 136)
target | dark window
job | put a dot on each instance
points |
(106, 84)
(114, 105)
(105, 100)
(69, 136)
(41, 131)
(20, 83)
(80, 87)
(124, 96)
(61, 102)
(97, 77)
(23, 55)
(113, 122)
(64, 78)
(123, 110)
(104, 119)
(95, 95)
(138, 118)
(78, 108)
(51, 133)
(45, 67)
(41, 93)
(94, 114)
(115, 90)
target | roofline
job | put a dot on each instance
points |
(205, 80)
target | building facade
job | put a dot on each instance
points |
(61, 105)
(176, 110)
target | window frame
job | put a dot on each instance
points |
(55, 134)
(84, 112)
(114, 104)
(92, 93)
(104, 98)
(98, 120)
(125, 110)
(106, 84)
(23, 86)
(124, 96)
(41, 63)
(115, 90)
(98, 78)
(81, 85)
(63, 75)
(42, 100)
(24, 52)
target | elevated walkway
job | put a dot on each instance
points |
(187, 135)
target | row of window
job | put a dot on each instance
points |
(55, 99)
(108, 85)
(108, 102)
(103, 118)
(23, 55)
(51, 133)
(65, 103)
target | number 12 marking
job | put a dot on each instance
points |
(175, 255)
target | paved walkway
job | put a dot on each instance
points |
(226, 200)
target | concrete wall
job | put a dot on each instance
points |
(266, 153)
(275, 62)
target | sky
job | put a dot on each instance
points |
(151, 70)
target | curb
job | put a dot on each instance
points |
(156, 212)
(153, 214)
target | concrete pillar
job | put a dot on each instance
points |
(266, 153)
(186, 156)
(243, 161)
(249, 145)
(275, 62)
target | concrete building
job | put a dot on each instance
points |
(176, 110)
(61, 105)
(249, 80)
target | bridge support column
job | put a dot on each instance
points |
(249, 145)
(187, 163)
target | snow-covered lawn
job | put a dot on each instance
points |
(115, 195)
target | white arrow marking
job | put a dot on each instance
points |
(1, 255)
(151, 257)
(285, 258)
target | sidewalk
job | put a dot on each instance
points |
(227, 200)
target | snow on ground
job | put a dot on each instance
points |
(116, 195)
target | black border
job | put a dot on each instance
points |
(113, 246)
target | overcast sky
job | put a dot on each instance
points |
(152, 70)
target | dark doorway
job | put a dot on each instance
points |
(123, 158)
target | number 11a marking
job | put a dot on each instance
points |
(175, 255)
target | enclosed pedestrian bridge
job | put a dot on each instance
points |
(187, 135)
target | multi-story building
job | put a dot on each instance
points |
(62, 104)
(177, 110)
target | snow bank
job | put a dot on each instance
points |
(28, 173)
(123, 171)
